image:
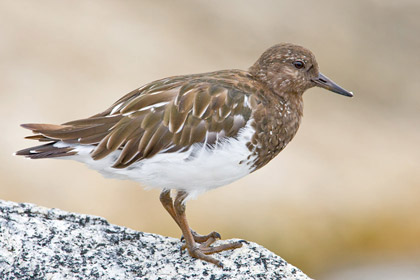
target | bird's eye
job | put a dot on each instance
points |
(298, 64)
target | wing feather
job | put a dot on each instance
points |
(167, 115)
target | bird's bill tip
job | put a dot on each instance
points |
(325, 82)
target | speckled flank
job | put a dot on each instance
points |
(42, 243)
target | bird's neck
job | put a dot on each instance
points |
(280, 84)
(277, 118)
(279, 92)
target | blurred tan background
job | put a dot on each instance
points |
(341, 200)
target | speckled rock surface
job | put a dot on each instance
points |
(43, 243)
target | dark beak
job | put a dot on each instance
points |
(327, 83)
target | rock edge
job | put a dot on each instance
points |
(43, 243)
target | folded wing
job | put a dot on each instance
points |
(167, 115)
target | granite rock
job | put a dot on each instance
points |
(43, 243)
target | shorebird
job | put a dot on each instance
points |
(193, 133)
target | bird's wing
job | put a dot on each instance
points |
(167, 115)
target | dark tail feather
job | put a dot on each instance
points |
(90, 131)
(46, 151)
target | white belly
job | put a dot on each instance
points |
(197, 170)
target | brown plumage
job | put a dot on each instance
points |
(186, 115)
(191, 106)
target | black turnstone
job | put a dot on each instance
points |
(193, 133)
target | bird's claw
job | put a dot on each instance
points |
(203, 238)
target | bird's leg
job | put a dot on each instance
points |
(166, 200)
(199, 252)
(192, 247)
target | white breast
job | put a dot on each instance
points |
(197, 170)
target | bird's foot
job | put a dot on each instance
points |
(201, 252)
(200, 249)
(203, 238)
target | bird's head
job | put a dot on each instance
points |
(288, 68)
